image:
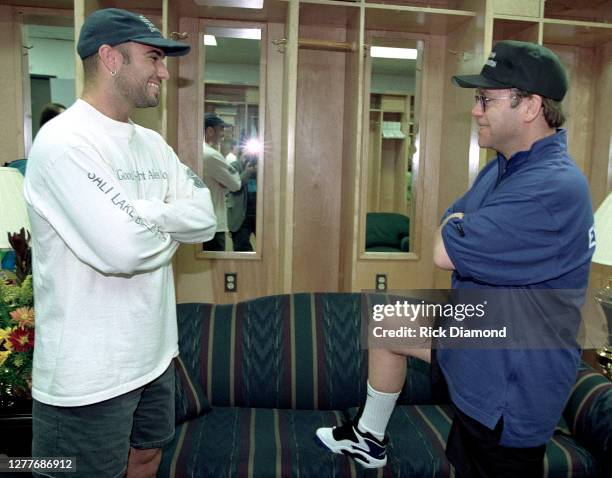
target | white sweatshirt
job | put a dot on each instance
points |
(221, 178)
(108, 203)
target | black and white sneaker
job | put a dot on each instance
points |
(363, 447)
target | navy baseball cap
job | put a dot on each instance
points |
(112, 26)
(523, 65)
(211, 120)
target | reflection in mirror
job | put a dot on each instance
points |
(51, 60)
(232, 149)
(391, 146)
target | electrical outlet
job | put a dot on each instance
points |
(231, 282)
(381, 282)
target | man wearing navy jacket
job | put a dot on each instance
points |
(526, 224)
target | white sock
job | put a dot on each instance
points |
(377, 412)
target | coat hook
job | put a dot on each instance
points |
(462, 55)
(280, 43)
(179, 36)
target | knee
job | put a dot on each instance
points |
(143, 463)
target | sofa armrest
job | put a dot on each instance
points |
(588, 413)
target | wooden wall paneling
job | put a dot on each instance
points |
(151, 118)
(11, 121)
(190, 92)
(288, 145)
(600, 174)
(194, 279)
(26, 90)
(579, 101)
(460, 153)
(373, 146)
(519, 8)
(353, 133)
(270, 204)
(82, 8)
(288, 135)
(516, 30)
(169, 99)
(584, 10)
(401, 203)
(318, 162)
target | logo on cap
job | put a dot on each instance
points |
(148, 23)
(491, 62)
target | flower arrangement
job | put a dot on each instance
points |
(17, 321)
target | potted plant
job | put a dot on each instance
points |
(17, 325)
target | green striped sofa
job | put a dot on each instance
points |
(257, 378)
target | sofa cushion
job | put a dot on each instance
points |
(190, 401)
(299, 351)
(249, 442)
(190, 398)
(252, 442)
(589, 415)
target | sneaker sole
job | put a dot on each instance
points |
(355, 456)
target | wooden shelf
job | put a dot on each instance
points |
(423, 5)
(272, 11)
(583, 10)
(62, 4)
(328, 13)
(415, 20)
(523, 30)
(584, 34)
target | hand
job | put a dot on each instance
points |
(458, 215)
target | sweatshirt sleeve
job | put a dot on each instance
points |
(187, 212)
(90, 210)
(216, 167)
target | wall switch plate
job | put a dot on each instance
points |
(381, 282)
(231, 282)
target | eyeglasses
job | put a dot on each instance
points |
(483, 101)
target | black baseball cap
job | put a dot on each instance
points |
(523, 65)
(211, 120)
(112, 26)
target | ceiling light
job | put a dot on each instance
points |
(397, 53)
(228, 32)
(231, 3)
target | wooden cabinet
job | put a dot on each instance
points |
(318, 116)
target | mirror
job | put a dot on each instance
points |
(233, 86)
(50, 63)
(391, 145)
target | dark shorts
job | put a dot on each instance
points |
(474, 449)
(99, 436)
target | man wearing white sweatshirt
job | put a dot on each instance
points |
(109, 202)
(219, 176)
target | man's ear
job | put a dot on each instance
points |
(108, 57)
(534, 107)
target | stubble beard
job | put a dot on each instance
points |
(138, 96)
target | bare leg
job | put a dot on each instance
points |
(143, 463)
(387, 368)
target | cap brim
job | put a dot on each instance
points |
(169, 47)
(477, 81)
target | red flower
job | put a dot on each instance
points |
(21, 340)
